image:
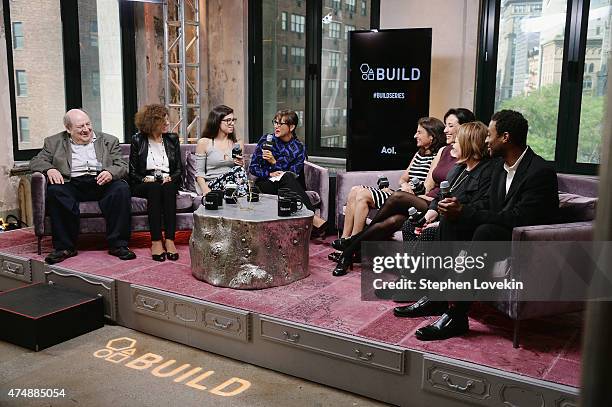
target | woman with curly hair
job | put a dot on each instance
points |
(155, 174)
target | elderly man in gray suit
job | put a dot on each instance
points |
(82, 165)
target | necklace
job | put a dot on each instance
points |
(464, 174)
(164, 157)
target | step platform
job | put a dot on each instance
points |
(37, 316)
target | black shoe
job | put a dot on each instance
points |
(447, 326)
(343, 265)
(172, 256)
(334, 256)
(422, 308)
(159, 257)
(344, 242)
(57, 256)
(341, 243)
(123, 253)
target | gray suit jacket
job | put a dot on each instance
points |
(56, 153)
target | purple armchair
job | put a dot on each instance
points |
(317, 182)
(91, 216)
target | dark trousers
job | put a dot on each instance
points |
(483, 233)
(161, 201)
(63, 208)
(288, 180)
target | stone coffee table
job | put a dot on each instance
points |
(248, 246)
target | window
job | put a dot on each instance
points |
(297, 87)
(334, 30)
(537, 45)
(95, 83)
(22, 83)
(348, 28)
(297, 55)
(334, 59)
(350, 6)
(284, 21)
(93, 33)
(17, 35)
(284, 56)
(315, 72)
(24, 129)
(332, 88)
(62, 32)
(297, 23)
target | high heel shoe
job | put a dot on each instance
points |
(159, 257)
(343, 265)
(344, 242)
(172, 256)
(335, 257)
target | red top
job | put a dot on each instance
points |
(447, 161)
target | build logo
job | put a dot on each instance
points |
(123, 351)
(389, 74)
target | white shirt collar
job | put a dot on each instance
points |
(516, 164)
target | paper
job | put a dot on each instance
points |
(278, 177)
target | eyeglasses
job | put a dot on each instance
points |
(276, 123)
(230, 121)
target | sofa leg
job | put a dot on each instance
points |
(39, 245)
(515, 336)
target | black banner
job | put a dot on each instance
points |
(389, 74)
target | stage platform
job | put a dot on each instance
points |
(317, 328)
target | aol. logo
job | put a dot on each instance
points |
(367, 73)
(388, 150)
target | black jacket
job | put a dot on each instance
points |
(474, 188)
(533, 197)
(138, 157)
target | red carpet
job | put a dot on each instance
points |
(550, 347)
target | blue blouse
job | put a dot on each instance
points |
(289, 156)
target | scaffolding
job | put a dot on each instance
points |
(182, 67)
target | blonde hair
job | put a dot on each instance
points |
(471, 138)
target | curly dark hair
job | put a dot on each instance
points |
(213, 123)
(435, 128)
(463, 115)
(150, 118)
(513, 123)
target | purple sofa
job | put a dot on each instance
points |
(577, 195)
(317, 182)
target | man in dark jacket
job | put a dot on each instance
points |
(523, 192)
(81, 165)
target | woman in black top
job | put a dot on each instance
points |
(155, 174)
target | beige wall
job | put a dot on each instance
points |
(454, 47)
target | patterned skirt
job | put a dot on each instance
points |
(379, 197)
(237, 175)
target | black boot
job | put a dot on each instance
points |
(422, 308)
(343, 265)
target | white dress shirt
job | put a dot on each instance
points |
(84, 160)
(510, 171)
